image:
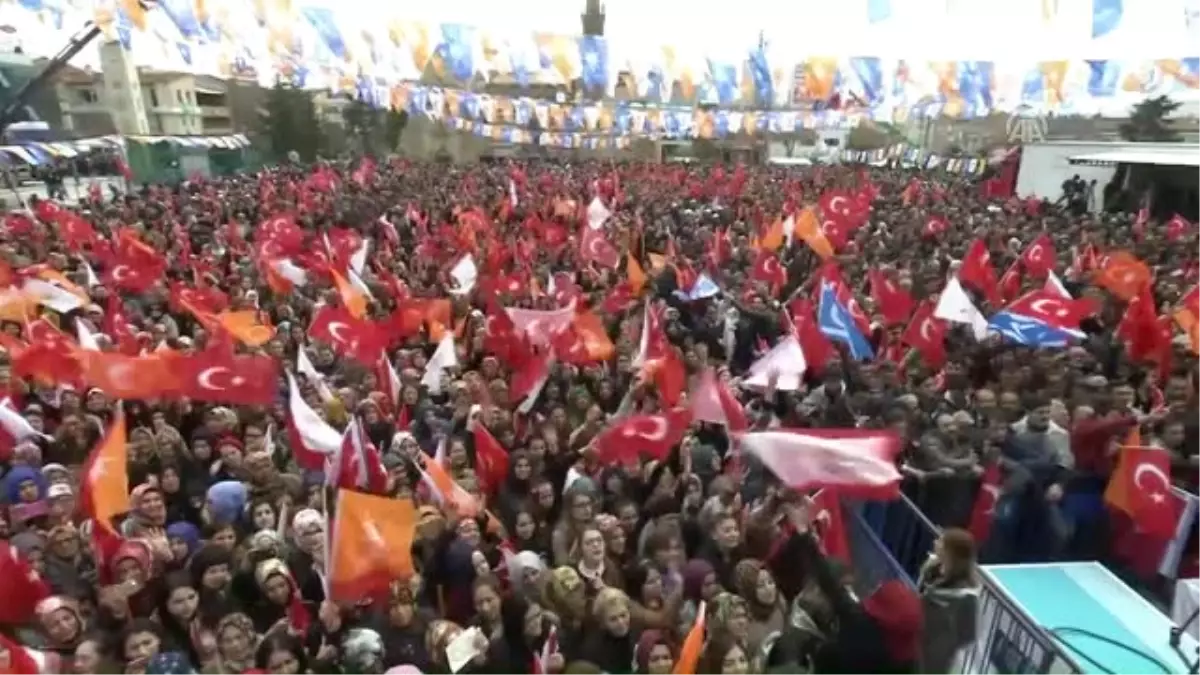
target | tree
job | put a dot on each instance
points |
(393, 128)
(1148, 121)
(289, 123)
(361, 123)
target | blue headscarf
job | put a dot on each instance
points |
(186, 532)
(227, 502)
(20, 474)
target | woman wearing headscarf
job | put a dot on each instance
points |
(212, 576)
(226, 503)
(655, 653)
(515, 490)
(184, 539)
(280, 603)
(307, 552)
(135, 590)
(402, 626)
(236, 643)
(766, 605)
(699, 585)
(64, 565)
(62, 623)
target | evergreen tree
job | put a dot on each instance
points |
(394, 124)
(1148, 121)
(290, 122)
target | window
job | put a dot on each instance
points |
(87, 95)
(153, 97)
(179, 96)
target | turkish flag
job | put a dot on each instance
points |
(829, 526)
(817, 348)
(221, 377)
(593, 247)
(1141, 330)
(1177, 227)
(927, 334)
(768, 270)
(17, 659)
(491, 459)
(1039, 258)
(935, 226)
(371, 545)
(625, 440)
(858, 462)
(357, 465)
(893, 302)
(348, 336)
(1053, 309)
(712, 401)
(984, 510)
(1148, 476)
(311, 439)
(977, 272)
(23, 588)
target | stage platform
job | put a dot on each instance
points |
(1099, 623)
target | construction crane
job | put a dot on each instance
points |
(83, 38)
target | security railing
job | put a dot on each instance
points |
(891, 540)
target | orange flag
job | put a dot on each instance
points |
(809, 229)
(773, 239)
(693, 644)
(352, 298)
(244, 326)
(371, 546)
(1189, 323)
(1123, 274)
(1117, 492)
(104, 488)
(137, 15)
(595, 339)
(447, 491)
(637, 277)
(130, 377)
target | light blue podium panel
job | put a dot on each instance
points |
(1069, 617)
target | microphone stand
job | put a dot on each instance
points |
(1177, 635)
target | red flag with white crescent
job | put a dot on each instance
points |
(984, 510)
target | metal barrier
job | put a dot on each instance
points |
(905, 532)
(891, 540)
(1010, 642)
(872, 561)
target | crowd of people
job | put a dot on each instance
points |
(697, 559)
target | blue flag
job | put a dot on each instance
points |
(838, 325)
(1029, 332)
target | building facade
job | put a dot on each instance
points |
(135, 101)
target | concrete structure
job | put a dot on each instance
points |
(120, 90)
(141, 101)
(593, 18)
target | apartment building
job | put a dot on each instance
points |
(174, 104)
